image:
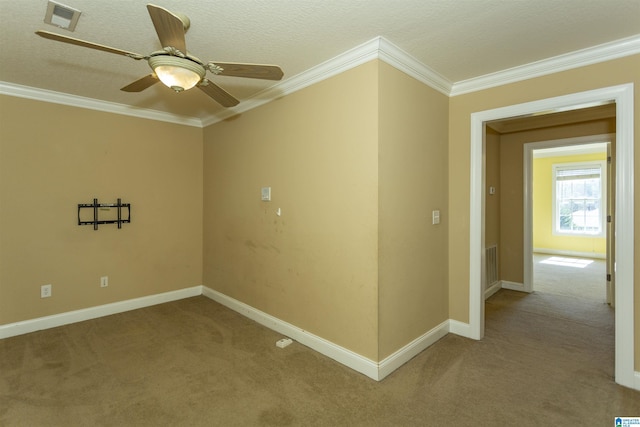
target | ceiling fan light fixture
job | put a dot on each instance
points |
(177, 73)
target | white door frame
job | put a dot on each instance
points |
(527, 167)
(622, 95)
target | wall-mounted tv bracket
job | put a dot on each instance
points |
(97, 206)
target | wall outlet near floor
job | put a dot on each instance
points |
(104, 281)
(45, 291)
(282, 343)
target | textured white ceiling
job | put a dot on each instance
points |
(459, 39)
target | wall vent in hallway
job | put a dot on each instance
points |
(491, 257)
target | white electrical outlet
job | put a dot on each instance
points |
(104, 281)
(45, 291)
(282, 343)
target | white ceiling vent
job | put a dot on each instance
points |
(61, 16)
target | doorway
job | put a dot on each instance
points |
(585, 229)
(622, 96)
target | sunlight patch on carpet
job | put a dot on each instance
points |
(567, 262)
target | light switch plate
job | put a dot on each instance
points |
(266, 194)
(435, 217)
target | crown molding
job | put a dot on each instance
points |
(93, 104)
(377, 48)
(580, 58)
(341, 63)
(398, 58)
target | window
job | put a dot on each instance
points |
(579, 196)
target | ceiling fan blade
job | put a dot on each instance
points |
(252, 71)
(141, 84)
(218, 94)
(78, 42)
(169, 26)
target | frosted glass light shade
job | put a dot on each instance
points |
(177, 73)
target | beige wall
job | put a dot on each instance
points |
(356, 163)
(412, 183)
(315, 266)
(512, 213)
(461, 107)
(53, 157)
(492, 179)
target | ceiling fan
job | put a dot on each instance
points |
(173, 65)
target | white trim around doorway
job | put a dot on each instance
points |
(622, 95)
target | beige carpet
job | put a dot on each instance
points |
(544, 362)
(576, 277)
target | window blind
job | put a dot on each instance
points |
(582, 173)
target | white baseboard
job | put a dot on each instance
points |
(40, 323)
(460, 328)
(373, 370)
(340, 354)
(512, 285)
(636, 384)
(409, 351)
(578, 254)
(492, 289)
(368, 367)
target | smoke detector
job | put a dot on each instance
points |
(61, 16)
